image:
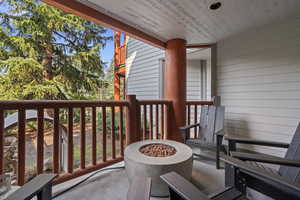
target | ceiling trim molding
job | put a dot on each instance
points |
(194, 46)
(88, 13)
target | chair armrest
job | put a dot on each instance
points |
(278, 183)
(139, 189)
(242, 140)
(220, 133)
(182, 187)
(34, 187)
(265, 159)
(185, 128)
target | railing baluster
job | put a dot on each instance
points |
(70, 140)
(151, 121)
(195, 121)
(21, 147)
(56, 142)
(40, 141)
(145, 122)
(167, 121)
(94, 136)
(121, 132)
(104, 133)
(156, 121)
(162, 122)
(188, 114)
(1, 141)
(82, 138)
(113, 138)
(189, 118)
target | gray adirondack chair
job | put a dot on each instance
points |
(243, 176)
(210, 131)
(289, 165)
(40, 187)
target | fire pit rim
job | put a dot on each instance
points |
(183, 152)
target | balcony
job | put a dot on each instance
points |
(87, 141)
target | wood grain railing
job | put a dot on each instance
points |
(193, 111)
(154, 118)
(99, 109)
(101, 128)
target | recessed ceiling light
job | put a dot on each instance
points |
(215, 6)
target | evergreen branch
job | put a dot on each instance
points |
(62, 36)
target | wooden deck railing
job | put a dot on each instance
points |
(104, 107)
(111, 125)
(154, 118)
(134, 119)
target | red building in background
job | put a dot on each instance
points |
(119, 66)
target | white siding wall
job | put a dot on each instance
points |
(143, 72)
(143, 69)
(193, 85)
(258, 79)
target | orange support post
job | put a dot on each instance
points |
(175, 86)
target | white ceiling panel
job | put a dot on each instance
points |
(193, 20)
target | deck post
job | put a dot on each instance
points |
(175, 86)
(133, 122)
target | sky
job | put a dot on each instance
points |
(108, 51)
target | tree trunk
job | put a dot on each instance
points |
(47, 62)
(48, 71)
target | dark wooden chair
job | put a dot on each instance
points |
(40, 186)
(289, 165)
(242, 175)
(139, 189)
(210, 131)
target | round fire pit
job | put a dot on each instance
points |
(152, 158)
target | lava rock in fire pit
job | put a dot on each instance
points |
(158, 150)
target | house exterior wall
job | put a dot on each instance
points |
(144, 73)
(142, 69)
(258, 79)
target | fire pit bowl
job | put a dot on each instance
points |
(152, 158)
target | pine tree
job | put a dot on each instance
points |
(46, 53)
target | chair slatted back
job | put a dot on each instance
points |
(293, 153)
(207, 121)
(211, 121)
(220, 117)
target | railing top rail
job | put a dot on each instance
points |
(34, 104)
(144, 102)
(199, 103)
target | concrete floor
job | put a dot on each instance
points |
(113, 184)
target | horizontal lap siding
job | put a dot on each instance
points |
(143, 73)
(258, 78)
(143, 69)
(193, 84)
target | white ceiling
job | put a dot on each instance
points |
(193, 20)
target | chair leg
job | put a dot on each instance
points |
(219, 143)
(231, 146)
